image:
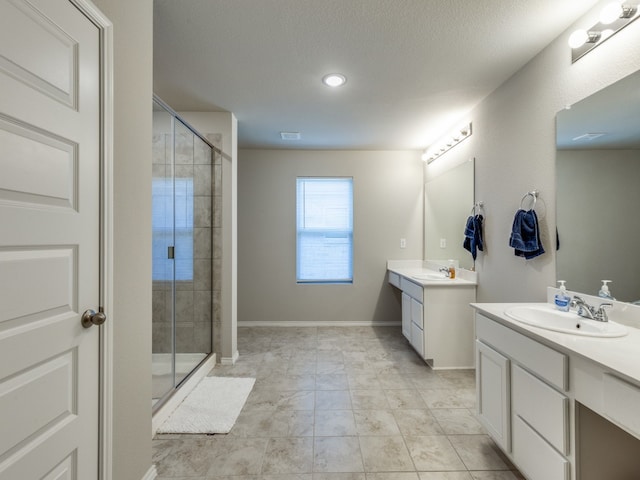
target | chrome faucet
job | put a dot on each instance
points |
(587, 311)
(445, 270)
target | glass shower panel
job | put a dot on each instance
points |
(192, 264)
(182, 251)
(163, 379)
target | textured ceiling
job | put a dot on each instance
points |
(414, 67)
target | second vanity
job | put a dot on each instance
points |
(436, 317)
(534, 386)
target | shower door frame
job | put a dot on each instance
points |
(166, 396)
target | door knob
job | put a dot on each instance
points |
(90, 318)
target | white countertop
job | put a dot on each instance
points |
(620, 355)
(412, 268)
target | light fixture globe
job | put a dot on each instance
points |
(611, 12)
(334, 80)
(578, 38)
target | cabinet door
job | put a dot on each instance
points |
(416, 313)
(492, 394)
(406, 316)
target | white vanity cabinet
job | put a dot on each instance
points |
(521, 399)
(437, 319)
(560, 406)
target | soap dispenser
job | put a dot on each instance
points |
(452, 269)
(604, 290)
(562, 300)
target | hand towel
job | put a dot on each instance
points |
(525, 235)
(473, 235)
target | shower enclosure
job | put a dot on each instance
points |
(182, 209)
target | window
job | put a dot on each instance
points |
(172, 224)
(324, 230)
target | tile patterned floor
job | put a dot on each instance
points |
(340, 403)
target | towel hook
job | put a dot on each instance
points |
(534, 194)
(477, 207)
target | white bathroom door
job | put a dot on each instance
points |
(49, 240)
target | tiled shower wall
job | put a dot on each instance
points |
(197, 300)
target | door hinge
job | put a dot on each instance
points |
(171, 252)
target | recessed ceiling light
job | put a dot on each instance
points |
(334, 80)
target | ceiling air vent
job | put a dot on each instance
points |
(588, 136)
(290, 135)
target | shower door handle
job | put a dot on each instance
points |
(91, 318)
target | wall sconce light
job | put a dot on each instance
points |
(613, 18)
(447, 143)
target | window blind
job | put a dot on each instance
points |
(324, 252)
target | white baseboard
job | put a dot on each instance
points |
(323, 323)
(230, 360)
(151, 474)
(180, 394)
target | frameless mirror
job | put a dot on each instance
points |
(449, 199)
(598, 191)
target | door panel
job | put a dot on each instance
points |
(49, 240)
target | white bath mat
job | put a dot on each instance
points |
(212, 406)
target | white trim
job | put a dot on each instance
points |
(230, 360)
(322, 323)
(105, 428)
(151, 474)
(181, 393)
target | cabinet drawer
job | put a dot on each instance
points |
(411, 288)
(540, 359)
(542, 407)
(417, 339)
(621, 403)
(394, 279)
(534, 456)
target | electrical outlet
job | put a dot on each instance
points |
(443, 243)
(403, 243)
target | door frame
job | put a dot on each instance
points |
(105, 381)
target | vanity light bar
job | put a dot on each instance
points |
(613, 18)
(447, 143)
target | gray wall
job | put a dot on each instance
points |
(388, 205)
(131, 319)
(513, 142)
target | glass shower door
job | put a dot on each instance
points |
(182, 251)
(192, 250)
(163, 379)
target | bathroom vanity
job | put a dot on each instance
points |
(533, 385)
(436, 317)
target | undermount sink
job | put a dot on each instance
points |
(547, 317)
(430, 276)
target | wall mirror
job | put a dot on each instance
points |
(598, 191)
(449, 198)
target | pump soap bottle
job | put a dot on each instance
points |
(452, 269)
(604, 290)
(562, 300)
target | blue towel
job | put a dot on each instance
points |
(525, 235)
(473, 235)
